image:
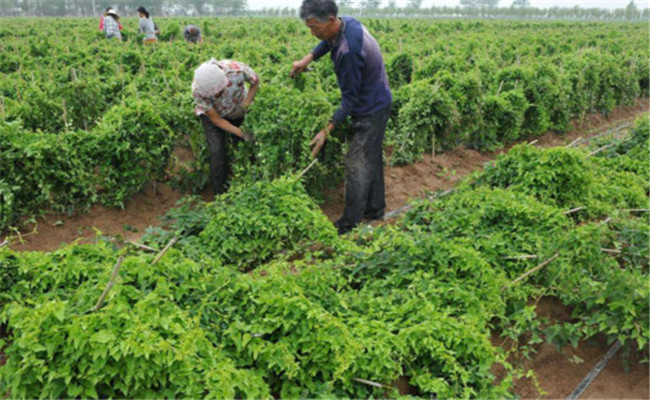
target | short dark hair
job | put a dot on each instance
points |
(319, 9)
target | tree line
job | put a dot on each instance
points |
(368, 8)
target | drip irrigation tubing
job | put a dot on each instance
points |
(608, 132)
(584, 384)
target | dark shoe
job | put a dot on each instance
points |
(342, 228)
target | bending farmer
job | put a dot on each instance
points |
(366, 97)
(222, 100)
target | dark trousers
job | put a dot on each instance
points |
(219, 164)
(364, 171)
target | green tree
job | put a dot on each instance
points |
(489, 3)
(631, 11)
(469, 3)
(370, 4)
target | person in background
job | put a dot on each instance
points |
(101, 20)
(222, 101)
(147, 26)
(112, 25)
(365, 96)
(192, 34)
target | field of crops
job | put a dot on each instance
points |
(118, 109)
(255, 295)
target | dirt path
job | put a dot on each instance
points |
(560, 372)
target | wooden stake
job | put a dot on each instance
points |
(371, 383)
(574, 142)
(611, 251)
(532, 271)
(110, 284)
(142, 246)
(639, 210)
(162, 253)
(574, 210)
(65, 115)
(304, 171)
(600, 149)
(521, 257)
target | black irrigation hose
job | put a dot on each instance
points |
(584, 384)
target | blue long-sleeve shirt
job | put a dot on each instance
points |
(360, 70)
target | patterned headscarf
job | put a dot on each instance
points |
(209, 79)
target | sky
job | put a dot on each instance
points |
(607, 4)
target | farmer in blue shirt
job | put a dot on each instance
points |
(365, 96)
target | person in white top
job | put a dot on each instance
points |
(147, 26)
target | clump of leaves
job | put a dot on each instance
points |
(282, 137)
(251, 225)
(134, 145)
(558, 176)
(400, 70)
(422, 122)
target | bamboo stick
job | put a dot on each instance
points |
(141, 246)
(600, 149)
(370, 383)
(110, 284)
(611, 251)
(162, 253)
(304, 171)
(521, 257)
(532, 271)
(574, 142)
(574, 210)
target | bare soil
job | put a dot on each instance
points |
(558, 372)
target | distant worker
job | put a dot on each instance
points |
(365, 96)
(222, 101)
(112, 25)
(192, 34)
(147, 26)
(101, 20)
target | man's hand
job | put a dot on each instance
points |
(300, 66)
(318, 141)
